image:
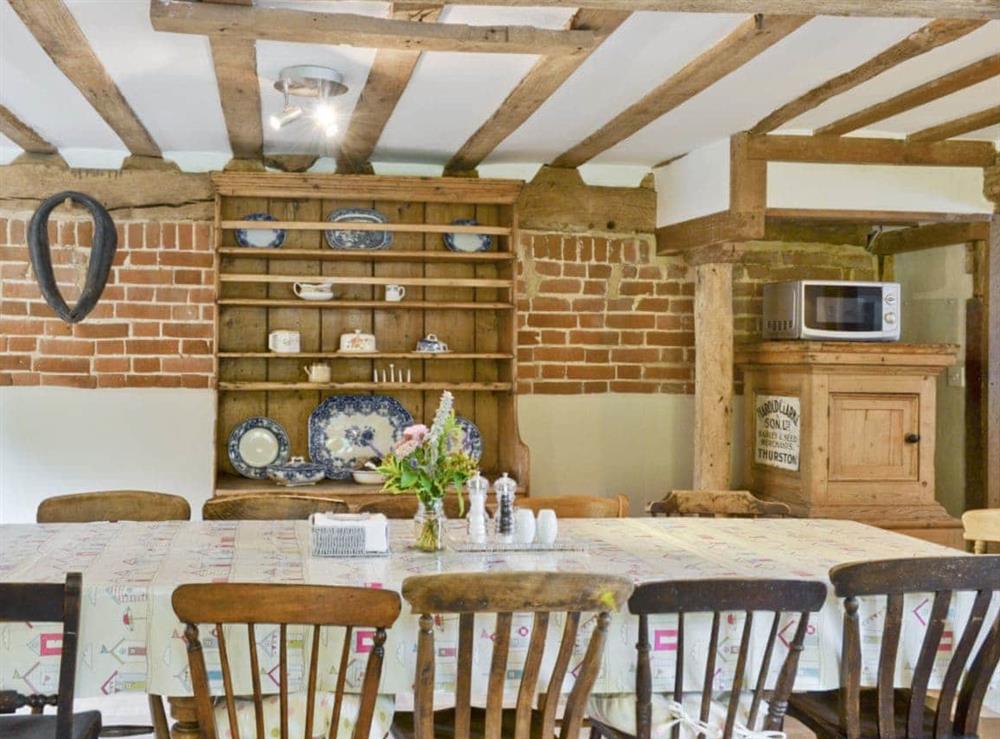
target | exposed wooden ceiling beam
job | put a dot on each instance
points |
(750, 38)
(959, 126)
(932, 235)
(532, 91)
(22, 134)
(967, 76)
(934, 34)
(56, 30)
(235, 63)
(388, 77)
(875, 8)
(279, 24)
(856, 150)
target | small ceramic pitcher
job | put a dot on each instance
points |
(394, 293)
(313, 291)
(317, 372)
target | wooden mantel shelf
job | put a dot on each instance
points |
(850, 354)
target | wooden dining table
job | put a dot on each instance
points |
(131, 641)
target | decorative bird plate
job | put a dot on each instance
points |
(358, 240)
(345, 431)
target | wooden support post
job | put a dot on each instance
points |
(713, 376)
(993, 368)
(976, 393)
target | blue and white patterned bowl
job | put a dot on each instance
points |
(255, 444)
(296, 471)
(471, 439)
(467, 243)
(345, 431)
(260, 238)
(358, 240)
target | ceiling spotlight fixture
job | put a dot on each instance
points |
(319, 85)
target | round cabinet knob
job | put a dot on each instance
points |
(890, 299)
(889, 318)
(911, 438)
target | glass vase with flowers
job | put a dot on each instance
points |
(427, 463)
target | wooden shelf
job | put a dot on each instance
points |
(329, 255)
(233, 485)
(365, 280)
(419, 356)
(359, 304)
(427, 228)
(263, 385)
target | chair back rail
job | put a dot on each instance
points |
(405, 506)
(504, 594)
(50, 603)
(964, 684)
(284, 605)
(113, 505)
(717, 596)
(269, 507)
(579, 506)
(717, 503)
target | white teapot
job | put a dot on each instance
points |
(318, 372)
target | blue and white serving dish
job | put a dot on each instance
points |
(255, 444)
(358, 240)
(345, 431)
(260, 238)
(295, 472)
(466, 242)
(471, 439)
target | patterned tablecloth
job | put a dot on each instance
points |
(131, 641)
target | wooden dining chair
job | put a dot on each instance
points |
(269, 507)
(281, 606)
(646, 714)
(405, 506)
(717, 504)
(47, 603)
(120, 505)
(503, 594)
(578, 506)
(982, 528)
(113, 505)
(888, 711)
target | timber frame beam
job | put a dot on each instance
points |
(856, 150)
(916, 238)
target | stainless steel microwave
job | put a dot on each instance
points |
(830, 310)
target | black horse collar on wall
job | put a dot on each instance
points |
(102, 254)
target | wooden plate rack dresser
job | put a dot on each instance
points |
(467, 299)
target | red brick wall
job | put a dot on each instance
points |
(596, 314)
(151, 328)
(601, 315)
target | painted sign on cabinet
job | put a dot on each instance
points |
(777, 431)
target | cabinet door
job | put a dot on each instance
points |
(872, 436)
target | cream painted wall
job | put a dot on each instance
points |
(63, 440)
(935, 288)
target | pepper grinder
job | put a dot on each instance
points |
(506, 488)
(478, 487)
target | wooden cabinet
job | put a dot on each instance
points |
(846, 430)
(468, 299)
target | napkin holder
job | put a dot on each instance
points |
(349, 535)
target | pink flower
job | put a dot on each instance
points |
(405, 448)
(416, 432)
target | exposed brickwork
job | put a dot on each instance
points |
(601, 315)
(151, 328)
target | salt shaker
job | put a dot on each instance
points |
(506, 488)
(478, 487)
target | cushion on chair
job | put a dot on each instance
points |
(820, 711)
(323, 712)
(618, 711)
(86, 725)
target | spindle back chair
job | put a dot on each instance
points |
(269, 507)
(579, 506)
(982, 528)
(47, 603)
(504, 594)
(717, 504)
(284, 606)
(113, 505)
(780, 598)
(888, 712)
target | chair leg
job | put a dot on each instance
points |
(161, 728)
(595, 732)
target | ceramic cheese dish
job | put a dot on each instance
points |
(357, 342)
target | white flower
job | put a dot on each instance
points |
(441, 416)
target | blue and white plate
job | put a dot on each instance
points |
(465, 242)
(358, 240)
(345, 431)
(256, 443)
(470, 439)
(260, 238)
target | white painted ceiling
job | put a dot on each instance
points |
(169, 80)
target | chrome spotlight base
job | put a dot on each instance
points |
(310, 80)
